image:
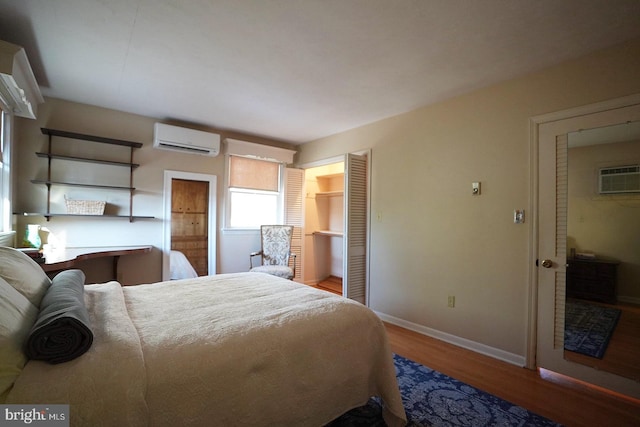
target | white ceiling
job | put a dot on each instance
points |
(297, 70)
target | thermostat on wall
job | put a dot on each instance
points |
(518, 216)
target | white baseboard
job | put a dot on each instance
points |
(496, 353)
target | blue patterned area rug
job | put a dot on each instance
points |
(588, 327)
(434, 399)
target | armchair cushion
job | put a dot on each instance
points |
(275, 270)
(276, 244)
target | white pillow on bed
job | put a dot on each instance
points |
(17, 317)
(24, 274)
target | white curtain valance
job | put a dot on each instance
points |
(236, 147)
(19, 91)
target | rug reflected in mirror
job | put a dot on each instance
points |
(589, 327)
(434, 399)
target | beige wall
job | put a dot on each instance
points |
(607, 225)
(435, 239)
(233, 250)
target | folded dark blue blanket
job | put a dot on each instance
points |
(62, 330)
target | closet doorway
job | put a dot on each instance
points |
(190, 223)
(337, 226)
(325, 220)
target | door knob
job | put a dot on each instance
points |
(547, 263)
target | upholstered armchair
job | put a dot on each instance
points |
(276, 251)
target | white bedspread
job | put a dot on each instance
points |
(236, 349)
(106, 386)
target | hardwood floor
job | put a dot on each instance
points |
(557, 398)
(332, 284)
(623, 352)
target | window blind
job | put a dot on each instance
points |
(253, 174)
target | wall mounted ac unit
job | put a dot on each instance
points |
(19, 91)
(183, 140)
(622, 179)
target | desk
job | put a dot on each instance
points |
(57, 260)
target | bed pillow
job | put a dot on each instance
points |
(24, 274)
(17, 317)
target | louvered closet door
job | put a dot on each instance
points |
(294, 214)
(560, 281)
(355, 230)
(552, 244)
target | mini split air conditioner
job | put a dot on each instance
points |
(185, 140)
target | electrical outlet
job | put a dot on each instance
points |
(451, 302)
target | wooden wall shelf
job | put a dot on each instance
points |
(49, 182)
(92, 138)
(51, 215)
(328, 233)
(80, 184)
(86, 160)
(329, 193)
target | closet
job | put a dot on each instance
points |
(325, 221)
(336, 219)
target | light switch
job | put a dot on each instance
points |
(475, 188)
(518, 216)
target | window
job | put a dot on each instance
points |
(254, 192)
(255, 184)
(5, 172)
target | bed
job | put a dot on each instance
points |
(180, 267)
(230, 349)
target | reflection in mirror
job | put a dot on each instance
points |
(602, 310)
(189, 228)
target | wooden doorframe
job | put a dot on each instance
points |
(557, 120)
(169, 175)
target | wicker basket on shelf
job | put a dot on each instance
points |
(85, 207)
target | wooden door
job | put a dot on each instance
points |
(356, 219)
(189, 221)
